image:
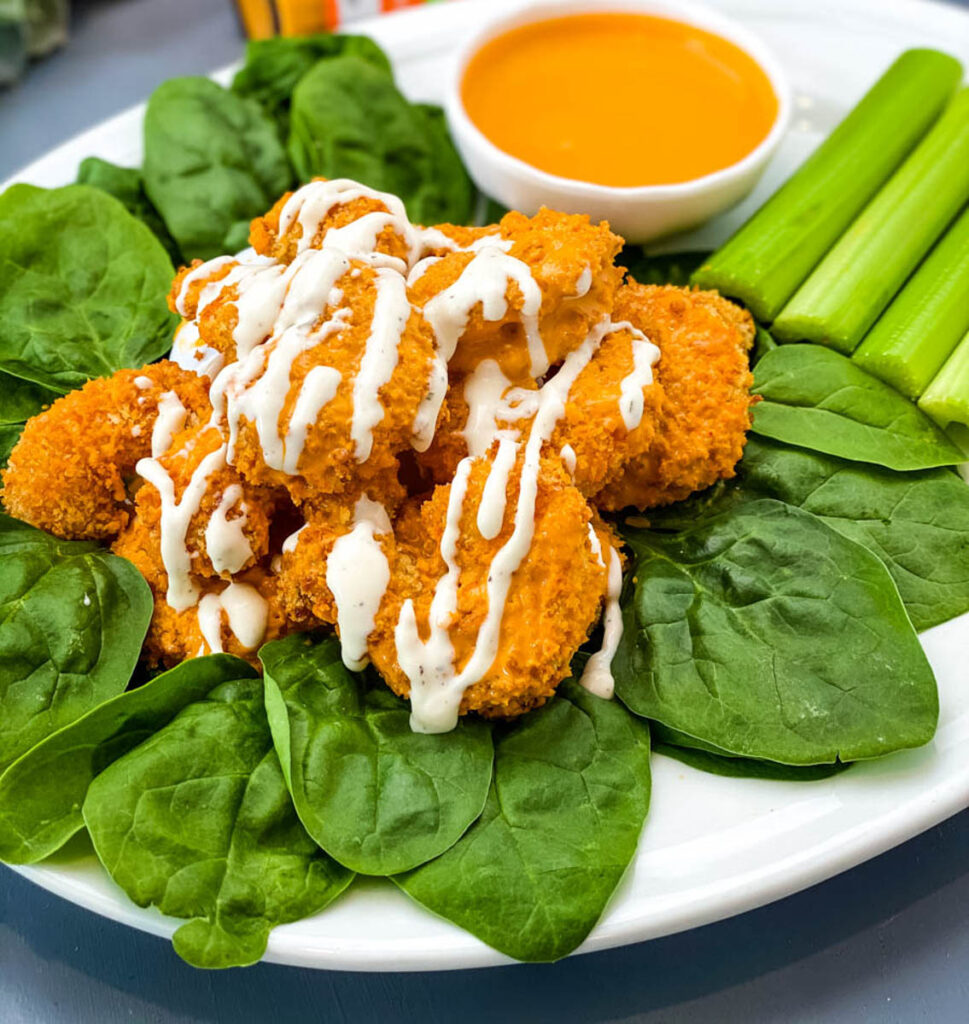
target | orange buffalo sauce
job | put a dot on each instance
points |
(619, 99)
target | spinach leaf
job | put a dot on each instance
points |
(571, 789)
(917, 523)
(815, 398)
(274, 66)
(665, 268)
(747, 768)
(763, 343)
(127, 186)
(212, 160)
(72, 621)
(376, 796)
(349, 121)
(763, 632)
(41, 793)
(82, 287)
(19, 400)
(197, 822)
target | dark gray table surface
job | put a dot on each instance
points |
(887, 941)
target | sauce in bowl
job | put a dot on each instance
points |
(619, 99)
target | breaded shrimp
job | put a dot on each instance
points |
(552, 602)
(705, 377)
(68, 472)
(559, 280)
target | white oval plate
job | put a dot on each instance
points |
(712, 846)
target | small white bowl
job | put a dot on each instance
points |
(641, 213)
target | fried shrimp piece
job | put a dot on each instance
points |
(339, 213)
(556, 280)
(705, 377)
(68, 472)
(323, 409)
(552, 601)
(219, 520)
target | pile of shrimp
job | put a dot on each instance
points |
(407, 434)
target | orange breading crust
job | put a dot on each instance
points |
(68, 472)
(552, 603)
(705, 376)
(558, 248)
(329, 462)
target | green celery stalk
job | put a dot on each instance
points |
(851, 286)
(925, 321)
(770, 255)
(946, 399)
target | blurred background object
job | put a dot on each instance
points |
(264, 18)
(29, 28)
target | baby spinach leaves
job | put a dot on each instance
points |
(763, 632)
(348, 120)
(127, 186)
(571, 789)
(72, 621)
(376, 796)
(41, 793)
(82, 287)
(213, 161)
(274, 66)
(19, 400)
(197, 821)
(815, 398)
(917, 523)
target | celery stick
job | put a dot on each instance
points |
(765, 261)
(946, 399)
(925, 321)
(851, 286)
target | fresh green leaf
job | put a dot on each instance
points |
(533, 875)
(274, 66)
(348, 120)
(917, 523)
(72, 621)
(376, 796)
(212, 159)
(127, 186)
(41, 793)
(707, 758)
(665, 268)
(818, 399)
(763, 343)
(19, 400)
(82, 287)
(765, 633)
(197, 821)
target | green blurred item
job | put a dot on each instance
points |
(29, 28)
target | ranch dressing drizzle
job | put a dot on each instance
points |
(485, 280)
(318, 389)
(597, 675)
(583, 284)
(170, 420)
(226, 543)
(436, 688)
(483, 391)
(568, 458)
(190, 353)
(645, 356)
(289, 544)
(175, 518)
(596, 546)
(391, 312)
(357, 573)
(202, 272)
(246, 614)
(491, 511)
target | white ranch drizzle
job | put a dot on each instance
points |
(203, 271)
(491, 510)
(289, 544)
(317, 390)
(583, 284)
(182, 591)
(391, 312)
(597, 674)
(596, 545)
(226, 543)
(568, 458)
(483, 392)
(143, 383)
(485, 281)
(190, 353)
(357, 573)
(169, 421)
(246, 613)
(645, 357)
(436, 687)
